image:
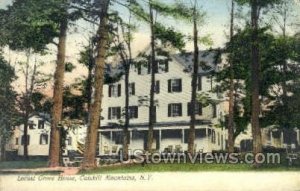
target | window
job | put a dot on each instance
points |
(117, 137)
(69, 141)
(114, 113)
(175, 85)
(41, 124)
(133, 112)
(143, 70)
(175, 110)
(131, 89)
(30, 124)
(23, 140)
(163, 66)
(44, 139)
(17, 141)
(214, 106)
(198, 109)
(157, 87)
(114, 90)
(199, 83)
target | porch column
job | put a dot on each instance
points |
(182, 134)
(111, 135)
(130, 138)
(159, 135)
(207, 137)
(271, 138)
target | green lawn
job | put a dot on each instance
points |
(22, 164)
(188, 167)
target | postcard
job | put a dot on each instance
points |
(149, 95)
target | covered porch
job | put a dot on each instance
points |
(165, 139)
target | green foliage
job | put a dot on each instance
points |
(30, 24)
(274, 51)
(8, 113)
(168, 36)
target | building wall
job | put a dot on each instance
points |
(34, 147)
(142, 88)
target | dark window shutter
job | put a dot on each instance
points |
(189, 109)
(169, 86)
(157, 88)
(200, 112)
(156, 67)
(133, 88)
(28, 139)
(47, 139)
(109, 113)
(109, 91)
(199, 83)
(41, 137)
(119, 90)
(214, 110)
(149, 67)
(167, 66)
(169, 110)
(136, 112)
(180, 109)
(139, 70)
(119, 112)
(180, 85)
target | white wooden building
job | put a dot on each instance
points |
(173, 95)
(39, 137)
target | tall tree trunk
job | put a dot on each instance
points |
(152, 88)
(191, 141)
(25, 134)
(2, 149)
(255, 75)
(54, 152)
(127, 118)
(95, 110)
(91, 65)
(231, 90)
(27, 107)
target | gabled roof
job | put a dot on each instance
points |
(207, 61)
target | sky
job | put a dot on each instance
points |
(216, 25)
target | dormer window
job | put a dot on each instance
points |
(143, 70)
(31, 124)
(163, 66)
(41, 124)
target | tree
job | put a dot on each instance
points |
(256, 7)
(44, 21)
(30, 98)
(7, 101)
(181, 11)
(30, 35)
(122, 38)
(94, 121)
(231, 90)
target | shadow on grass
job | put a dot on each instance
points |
(188, 167)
